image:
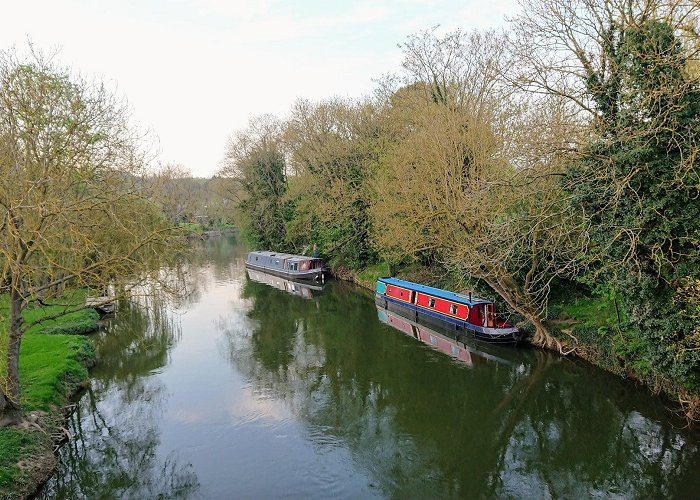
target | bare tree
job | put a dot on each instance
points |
(568, 47)
(173, 187)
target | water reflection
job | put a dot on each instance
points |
(208, 266)
(247, 390)
(418, 424)
(113, 450)
(305, 290)
(446, 341)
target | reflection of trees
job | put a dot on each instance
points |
(276, 325)
(115, 434)
(135, 343)
(571, 438)
(212, 259)
(422, 425)
(113, 454)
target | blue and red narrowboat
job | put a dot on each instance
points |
(421, 303)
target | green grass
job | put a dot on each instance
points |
(79, 322)
(369, 275)
(17, 444)
(51, 368)
(75, 323)
(596, 311)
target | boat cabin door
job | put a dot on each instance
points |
(490, 316)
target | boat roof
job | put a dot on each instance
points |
(281, 255)
(436, 292)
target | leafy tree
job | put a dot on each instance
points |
(255, 167)
(71, 209)
(451, 186)
(638, 181)
(471, 177)
(334, 146)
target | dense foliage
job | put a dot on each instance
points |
(256, 162)
(638, 182)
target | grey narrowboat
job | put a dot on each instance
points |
(287, 265)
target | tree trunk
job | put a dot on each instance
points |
(542, 337)
(10, 409)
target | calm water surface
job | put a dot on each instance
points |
(250, 391)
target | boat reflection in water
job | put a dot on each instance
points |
(305, 289)
(443, 341)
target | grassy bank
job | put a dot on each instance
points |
(53, 366)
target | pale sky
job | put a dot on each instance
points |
(194, 72)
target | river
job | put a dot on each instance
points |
(244, 390)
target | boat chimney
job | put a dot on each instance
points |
(470, 296)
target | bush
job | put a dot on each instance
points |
(78, 323)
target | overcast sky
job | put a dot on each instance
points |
(194, 72)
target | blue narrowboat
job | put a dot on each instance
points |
(295, 267)
(421, 303)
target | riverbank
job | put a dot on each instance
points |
(591, 326)
(54, 364)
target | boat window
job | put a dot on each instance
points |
(453, 308)
(431, 302)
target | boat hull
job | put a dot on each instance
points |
(507, 335)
